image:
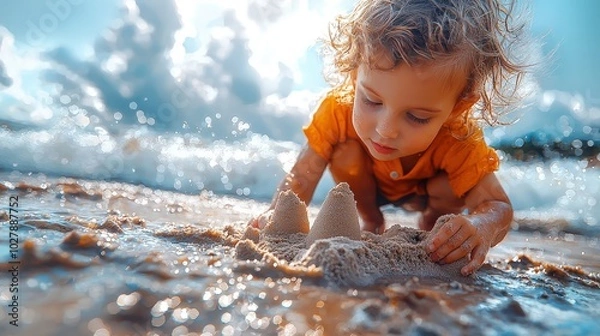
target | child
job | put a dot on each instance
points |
(400, 125)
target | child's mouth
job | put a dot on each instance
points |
(382, 149)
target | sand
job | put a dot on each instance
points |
(290, 211)
(118, 259)
(338, 216)
(335, 246)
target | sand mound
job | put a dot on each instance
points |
(338, 216)
(289, 216)
(335, 245)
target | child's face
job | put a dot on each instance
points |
(398, 112)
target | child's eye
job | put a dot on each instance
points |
(414, 118)
(369, 102)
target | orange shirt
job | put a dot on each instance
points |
(466, 161)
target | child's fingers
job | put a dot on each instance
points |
(461, 251)
(449, 245)
(253, 223)
(264, 219)
(477, 259)
(261, 220)
(372, 227)
(449, 229)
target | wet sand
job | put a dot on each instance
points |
(116, 259)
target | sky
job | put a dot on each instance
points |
(43, 24)
(77, 23)
(272, 55)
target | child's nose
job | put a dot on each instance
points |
(387, 127)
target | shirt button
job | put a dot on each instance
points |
(394, 175)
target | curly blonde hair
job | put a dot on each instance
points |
(472, 36)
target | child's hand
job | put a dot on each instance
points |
(487, 223)
(373, 221)
(261, 220)
(302, 180)
(460, 237)
(374, 227)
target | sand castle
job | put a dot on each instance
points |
(336, 245)
(338, 216)
(289, 216)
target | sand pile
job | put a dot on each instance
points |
(338, 216)
(335, 245)
(289, 216)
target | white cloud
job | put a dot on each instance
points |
(148, 59)
(19, 85)
(183, 63)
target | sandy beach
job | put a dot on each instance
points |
(99, 258)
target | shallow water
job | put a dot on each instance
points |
(100, 258)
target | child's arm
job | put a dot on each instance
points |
(302, 179)
(488, 221)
